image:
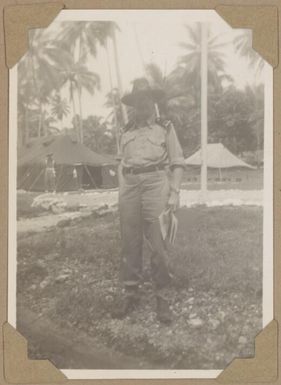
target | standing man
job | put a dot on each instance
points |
(50, 173)
(149, 148)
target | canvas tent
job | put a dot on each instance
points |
(218, 156)
(92, 168)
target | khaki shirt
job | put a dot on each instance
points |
(149, 145)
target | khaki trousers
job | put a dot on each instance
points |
(50, 179)
(142, 198)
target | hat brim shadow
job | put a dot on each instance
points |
(132, 99)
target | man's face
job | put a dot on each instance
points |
(144, 108)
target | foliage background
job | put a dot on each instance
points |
(62, 70)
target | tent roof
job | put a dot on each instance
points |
(218, 156)
(65, 151)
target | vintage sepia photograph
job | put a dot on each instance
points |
(140, 235)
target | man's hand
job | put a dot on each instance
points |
(174, 201)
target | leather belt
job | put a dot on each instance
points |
(142, 170)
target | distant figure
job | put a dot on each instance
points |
(75, 179)
(112, 173)
(50, 174)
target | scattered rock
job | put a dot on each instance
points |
(62, 278)
(221, 315)
(44, 283)
(190, 300)
(195, 322)
(242, 340)
(49, 202)
(109, 298)
(58, 208)
(214, 323)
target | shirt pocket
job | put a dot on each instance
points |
(127, 138)
(157, 140)
(128, 145)
(155, 148)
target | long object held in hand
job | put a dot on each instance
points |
(168, 225)
(157, 113)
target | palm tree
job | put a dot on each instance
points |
(178, 104)
(86, 35)
(38, 75)
(60, 108)
(243, 45)
(98, 135)
(77, 77)
(188, 74)
(115, 115)
(25, 100)
(191, 60)
(255, 96)
(82, 40)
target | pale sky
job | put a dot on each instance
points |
(159, 34)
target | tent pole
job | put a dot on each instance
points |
(26, 175)
(220, 175)
(92, 180)
(63, 181)
(36, 179)
(204, 110)
(59, 179)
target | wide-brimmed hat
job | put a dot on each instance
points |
(141, 89)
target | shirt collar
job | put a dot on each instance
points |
(149, 123)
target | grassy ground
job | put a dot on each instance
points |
(69, 276)
(24, 205)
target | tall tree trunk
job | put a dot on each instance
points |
(61, 124)
(35, 84)
(74, 112)
(116, 123)
(25, 136)
(118, 73)
(40, 124)
(79, 89)
(258, 136)
(204, 107)
(80, 115)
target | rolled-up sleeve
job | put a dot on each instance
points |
(174, 148)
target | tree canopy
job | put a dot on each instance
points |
(54, 75)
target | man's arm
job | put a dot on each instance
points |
(177, 165)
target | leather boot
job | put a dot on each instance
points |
(128, 303)
(163, 311)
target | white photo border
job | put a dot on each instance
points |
(195, 15)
